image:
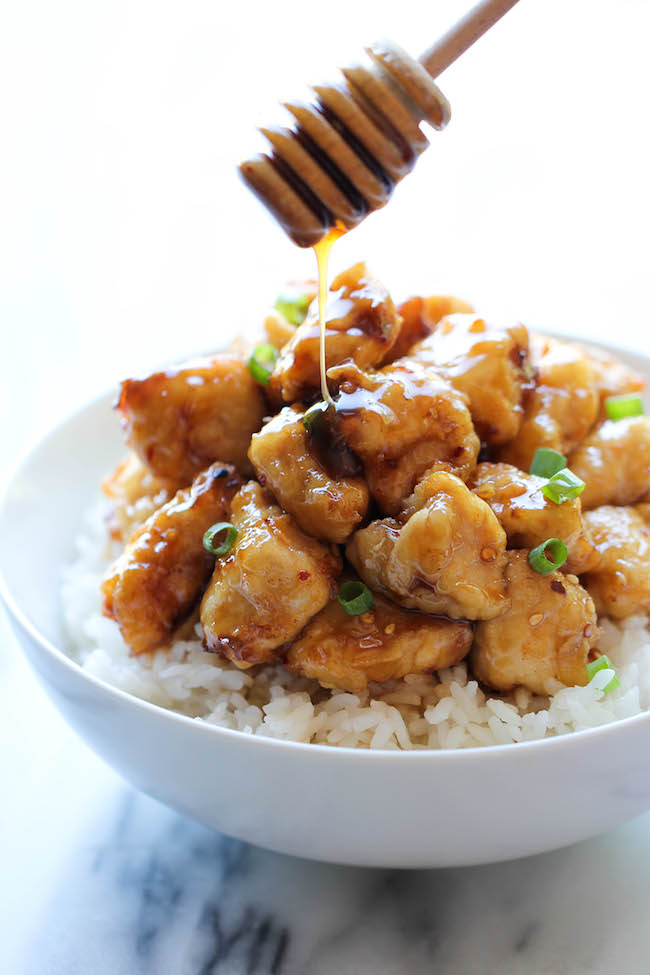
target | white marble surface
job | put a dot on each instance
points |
(126, 239)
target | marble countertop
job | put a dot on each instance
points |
(100, 880)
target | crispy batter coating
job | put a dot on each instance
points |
(361, 325)
(613, 377)
(158, 578)
(384, 643)
(614, 462)
(402, 423)
(322, 506)
(135, 494)
(620, 584)
(180, 421)
(562, 408)
(271, 583)
(489, 363)
(547, 633)
(528, 518)
(447, 559)
(420, 316)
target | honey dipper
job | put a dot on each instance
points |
(348, 150)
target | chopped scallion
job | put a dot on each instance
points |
(313, 415)
(210, 539)
(293, 307)
(620, 407)
(355, 598)
(603, 663)
(261, 362)
(563, 486)
(538, 558)
(547, 462)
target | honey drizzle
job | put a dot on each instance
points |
(322, 250)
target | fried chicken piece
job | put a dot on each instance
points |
(135, 494)
(562, 408)
(361, 325)
(384, 643)
(614, 462)
(402, 422)
(322, 506)
(447, 558)
(613, 377)
(159, 577)
(270, 584)
(180, 421)
(528, 518)
(620, 584)
(547, 633)
(419, 318)
(489, 363)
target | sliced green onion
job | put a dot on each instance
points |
(293, 307)
(618, 407)
(313, 415)
(603, 663)
(563, 486)
(261, 362)
(210, 537)
(547, 462)
(355, 598)
(538, 558)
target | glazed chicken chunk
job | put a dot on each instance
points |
(160, 575)
(361, 325)
(383, 643)
(529, 518)
(620, 584)
(489, 364)
(562, 408)
(290, 311)
(447, 558)
(547, 633)
(614, 462)
(613, 377)
(135, 494)
(268, 586)
(402, 423)
(420, 316)
(322, 506)
(180, 421)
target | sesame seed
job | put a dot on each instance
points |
(589, 630)
(366, 618)
(536, 619)
(390, 629)
(488, 554)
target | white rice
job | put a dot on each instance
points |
(446, 710)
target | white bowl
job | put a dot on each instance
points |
(384, 809)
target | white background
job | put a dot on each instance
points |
(127, 239)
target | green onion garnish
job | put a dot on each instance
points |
(547, 462)
(261, 362)
(603, 663)
(618, 407)
(313, 415)
(538, 560)
(216, 530)
(293, 307)
(563, 486)
(355, 598)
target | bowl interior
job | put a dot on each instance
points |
(43, 507)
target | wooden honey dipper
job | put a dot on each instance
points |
(351, 147)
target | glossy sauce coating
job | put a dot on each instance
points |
(159, 577)
(321, 505)
(547, 633)
(180, 421)
(620, 583)
(383, 643)
(271, 583)
(614, 462)
(447, 558)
